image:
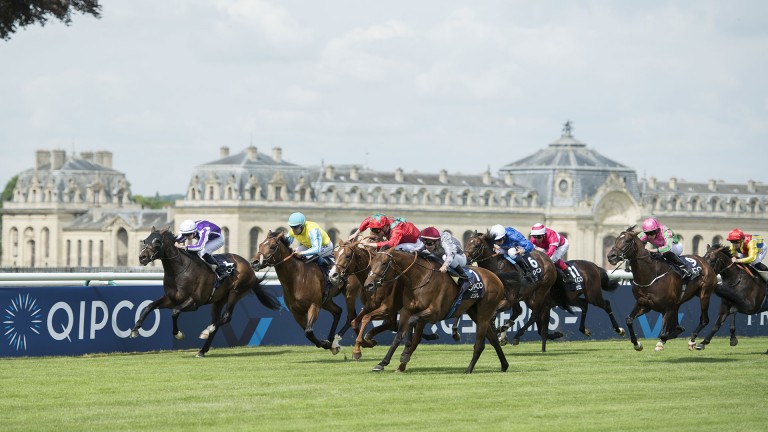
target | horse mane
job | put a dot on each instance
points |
(725, 248)
(631, 229)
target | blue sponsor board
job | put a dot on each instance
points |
(41, 321)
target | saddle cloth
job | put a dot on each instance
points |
(468, 290)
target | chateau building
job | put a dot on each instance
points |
(78, 212)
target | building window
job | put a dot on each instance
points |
(79, 253)
(253, 241)
(68, 253)
(101, 253)
(90, 253)
(225, 232)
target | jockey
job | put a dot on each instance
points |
(554, 245)
(208, 236)
(313, 241)
(377, 223)
(446, 246)
(401, 234)
(665, 241)
(747, 248)
(512, 244)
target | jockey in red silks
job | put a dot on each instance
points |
(553, 244)
(400, 234)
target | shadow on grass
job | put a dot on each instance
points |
(700, 360)
(249, 353)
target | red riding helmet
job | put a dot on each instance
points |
(378, 221)
(736, 235)
(430, 233)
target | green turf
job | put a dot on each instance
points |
(593, 385)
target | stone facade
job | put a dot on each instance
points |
(565, 185)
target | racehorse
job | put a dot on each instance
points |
(741, 290)
(657, 286)
(540, 296)
(188, 283)
(428, 297)
(351, 268)
(303, 285)
(593, 280)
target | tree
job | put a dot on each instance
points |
(15, 14)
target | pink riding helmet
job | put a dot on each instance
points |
(650, 225)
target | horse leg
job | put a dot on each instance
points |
(308, 322)
(543, 322)
(734, 341)
(163, 303)
(335, 310)
(583, 305)
(606, 306)
(722, 315)
(402, 327)
(215, 319)
(637, 311)
(483, 328)
(490, 334)
(703, 320)
(455, 329)
(415, 338)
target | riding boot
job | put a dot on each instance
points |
(463, 277)
(676, 260)
(525, 267)
(210, 261)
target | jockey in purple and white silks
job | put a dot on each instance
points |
(208, 235)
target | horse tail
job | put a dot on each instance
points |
(729, 294)
(265, 297)
(606, 283)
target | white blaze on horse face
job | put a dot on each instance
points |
(261, 259)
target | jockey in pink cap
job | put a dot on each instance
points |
(554, 244)
(665, 241)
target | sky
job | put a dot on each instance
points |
(668, 88)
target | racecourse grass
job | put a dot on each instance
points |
(592, 385)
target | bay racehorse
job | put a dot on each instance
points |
(593, 280)
(303, 287)
(189, 282)
(741, 290)
(657, 286)
(428, 297)
(353, 263)
(540, 296)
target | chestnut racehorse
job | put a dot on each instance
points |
(428, 297)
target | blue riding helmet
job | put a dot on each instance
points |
(296, 219)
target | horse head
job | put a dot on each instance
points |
(478, 248)
(344, 256)
(272, 251)
(382, 271)
(719, 257)
(625, 246)
(153, 247)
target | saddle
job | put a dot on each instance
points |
(472, 289)
(325, 264)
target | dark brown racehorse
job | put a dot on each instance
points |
(540, 296)
(303, 284)
(352, 268)
(741, 290)
(594, 281)
(428, 296)
(188, 283)
(658, 287)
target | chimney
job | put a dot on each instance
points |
(712, 185)
(354, 173)
(277, 154)
(508, 180)
(652, 182)
(57, 159)
(487, 177)
(87, 155)
(223, 151)
(751, 186)
(42, 158)
(252, 153)
(399, 175)
(103, 158)
(673, 183)
(329, 172)
(443, 176)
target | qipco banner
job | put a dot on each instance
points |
(78, 320)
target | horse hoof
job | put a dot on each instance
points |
(401, 368)
(734, 342)
(587, 333)
(691, 345)
(377, 368)
(200, 354)
(659, 346)
(335, 350)
(620, 332)
(515, 341)
(639, 347)
(357, 356)
(179, 336)
(134, 334)
(430, 337)
(700, 347)
(555, 335)
(204, 335)
(456, 336)
(335, 346)
(503, 341)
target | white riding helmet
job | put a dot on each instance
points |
(497, 232)
(187, 227)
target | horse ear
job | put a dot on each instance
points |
(153, 229)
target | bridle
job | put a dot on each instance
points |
(479, 251)
(631, 246)
(157, 250)
(718, 261)
(378, 279)
(266, 260)
(351, 248)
